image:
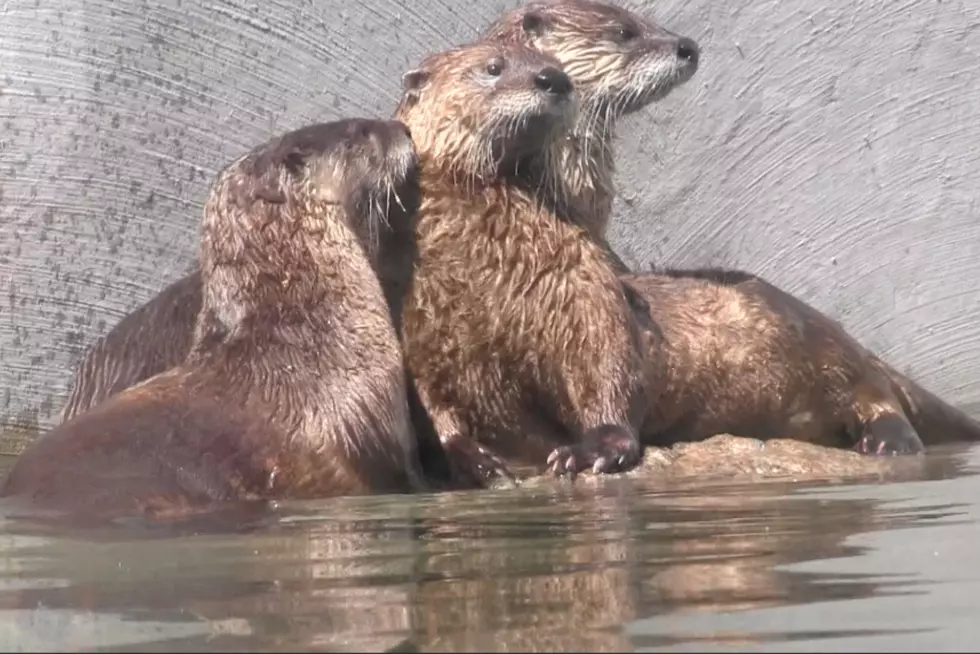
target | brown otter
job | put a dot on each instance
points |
(619, 63)
(737, 355)
(295, 385)
(875, 407)
(153, 338)
(516, 329)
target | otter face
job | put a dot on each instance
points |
(477, 107)
(618, 61)
(382, 157)
(369, 167)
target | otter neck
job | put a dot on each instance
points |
(293, 294)
(577, 177)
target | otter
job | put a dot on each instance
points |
(295, 383)
(619, 63)
(155, 337)
(863, 401)
(735, 355)
(517, 331)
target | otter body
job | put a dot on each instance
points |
(737, 355)
(294, 386)
(153, 338)
(878, 408)
(621, 63)
(516, 328)
(638, 62)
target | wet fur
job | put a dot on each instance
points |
(613, 78)
(578, 33)
(935, 420)
(153, 338)
(738, 355)
(612, 81)
(517, 330)
(295, 385)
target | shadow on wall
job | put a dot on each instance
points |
(827, 149)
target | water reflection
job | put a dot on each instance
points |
(607, 565)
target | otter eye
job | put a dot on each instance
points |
(495, 67)
(626, 33)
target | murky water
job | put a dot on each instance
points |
(616, 565)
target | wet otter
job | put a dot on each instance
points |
(736, 355)
(619, 63)
(153, 338)
(867, 403)
(295, 384)
(516, 329)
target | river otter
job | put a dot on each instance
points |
(153, 338)
(295, 385)
(619, 63)
(516, 329)
(736, 355)
(875, 408)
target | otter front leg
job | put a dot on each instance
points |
(471, 464)
(603, 449)
(602, 362)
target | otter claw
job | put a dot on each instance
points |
(476, 464)
(603, 450)
(889, 435)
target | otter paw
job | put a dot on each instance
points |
(605, 450)
(476, 464)
(890, 434)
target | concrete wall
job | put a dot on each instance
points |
(833, 150)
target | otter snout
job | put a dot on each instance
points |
(392, 143)
(398, 133)
(553, 81)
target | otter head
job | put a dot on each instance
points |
(294, 211)
(618, 61)
(478, 109)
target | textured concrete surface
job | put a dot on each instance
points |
(830, 149)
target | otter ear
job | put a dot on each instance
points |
(294, 161)
(412, 83)
(269, 186)
(533, 24)
(414, 80)
(268, 189)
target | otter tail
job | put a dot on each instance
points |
(935, 420)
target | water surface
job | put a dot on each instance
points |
(619, 565)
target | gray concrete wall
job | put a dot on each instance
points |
(833, 150)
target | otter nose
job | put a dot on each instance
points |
(687, 50)
(398, 132)
(552, 80)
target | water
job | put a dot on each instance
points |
(619, 564)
